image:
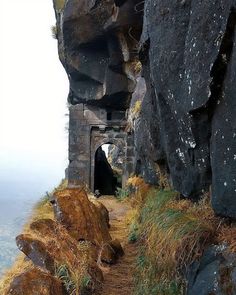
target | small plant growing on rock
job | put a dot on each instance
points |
(85, 283)
(137, 108)
(62, 272)
(54, 32)
(122, 193)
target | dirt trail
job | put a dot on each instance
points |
(118, 278)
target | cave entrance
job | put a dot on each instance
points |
(108, 169)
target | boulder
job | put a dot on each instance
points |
(214, 273)
(85, 221)
(36, 251)
(102, 210)
(111, 252)
(49, 245)
(80, 217)
(36, 282)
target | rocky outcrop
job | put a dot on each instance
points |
(187, 49)
(102, 210)
(190, 69)
(70, 248)
(80, 217)
(215, 273)
(116, 157)
(50, 245)
(85, 221)
(98, 48)
(35, 282)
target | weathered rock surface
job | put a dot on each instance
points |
(36, 251)
(102, 210)
(187, 122)
(80, 216)
(189, 60)
(49, 245)
(97, 51)
(111, 252)
(36, 282)
(83, 220)
(215, 273)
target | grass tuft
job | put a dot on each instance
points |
(54, 32)
(122, 193)
(171, 234)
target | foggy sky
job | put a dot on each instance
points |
(33, 91)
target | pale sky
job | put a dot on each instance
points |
(33, 91)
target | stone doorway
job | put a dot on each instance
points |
(108, 170)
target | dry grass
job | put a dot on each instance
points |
(172, 233)
(76, 279)
(59, 4)
(18, 267)
(118, 279)
(42, 210)
(54, 32)
(227, 235)
(140, 190)
(174, 230)
(162, 178)
(136, 108)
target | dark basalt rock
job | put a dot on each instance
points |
(215, 273)
(191, 69)
(97, 46)
(187, 49)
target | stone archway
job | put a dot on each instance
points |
(108, 168)
(91, 127)
(117, 138)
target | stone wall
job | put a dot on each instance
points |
(90, 127)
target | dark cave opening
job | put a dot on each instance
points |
(108, 169)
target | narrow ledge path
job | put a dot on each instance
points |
(118, 278)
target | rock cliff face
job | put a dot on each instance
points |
(190, 68)
(186, 128)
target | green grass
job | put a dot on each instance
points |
(122, 193)
(171, 234)
(62, 272)
(133, 232)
